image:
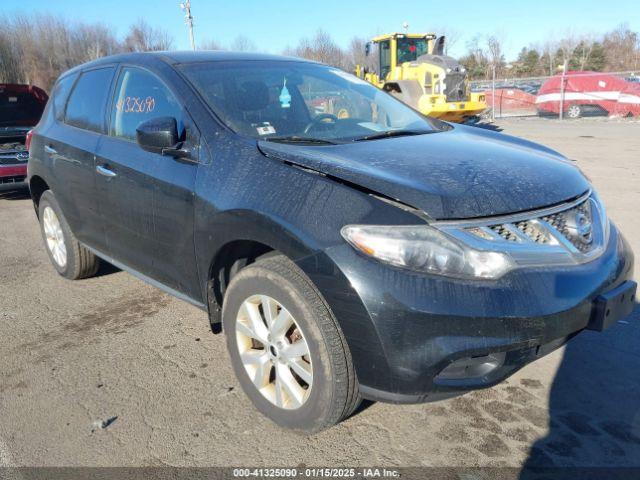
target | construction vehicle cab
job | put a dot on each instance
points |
(413, 68)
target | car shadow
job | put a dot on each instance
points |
(15, 194)
(106, 269)
(486, 126)
(594, 408)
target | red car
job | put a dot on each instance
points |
(588, 94)
(20, 109)
(629, 101)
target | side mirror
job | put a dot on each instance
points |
(160, 135)
(367, 49)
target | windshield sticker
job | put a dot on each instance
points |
(265, 129)
(349, 77)
(285, 97)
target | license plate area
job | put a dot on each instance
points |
(612, 306)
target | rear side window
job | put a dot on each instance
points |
(60, 95)
(140, 96)
(87, 102)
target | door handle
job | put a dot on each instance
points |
(50, 149)
(105, 171)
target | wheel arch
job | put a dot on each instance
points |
(37, 186)
(249, 236)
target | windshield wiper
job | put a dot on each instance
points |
(298, 139)
(393, 133)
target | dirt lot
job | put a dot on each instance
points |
(73, 353)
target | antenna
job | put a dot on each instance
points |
(405, 25)
(188, 19)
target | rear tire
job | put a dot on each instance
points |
(70, 259)
(328, 389)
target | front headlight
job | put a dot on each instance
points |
(425, 249)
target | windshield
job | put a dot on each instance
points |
(296, 101)
(409, 49)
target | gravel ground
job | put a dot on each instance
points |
(113, 348)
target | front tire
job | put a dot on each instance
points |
(286, 348)
(70, 259)
(574, 111)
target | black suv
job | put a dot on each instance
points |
(348, 246)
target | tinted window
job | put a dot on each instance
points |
(88, 99)
(60, 95)
(409, 49)
(140, 96)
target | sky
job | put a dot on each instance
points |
(276, 24)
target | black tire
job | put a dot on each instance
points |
(334, 394)
(80, 262)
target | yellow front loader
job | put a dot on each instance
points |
(413, 68)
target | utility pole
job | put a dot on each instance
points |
(188, 19)
(493, 91)
(565, 66)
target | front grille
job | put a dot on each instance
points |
(14, 179)
(455, 89)
(575, 225)
(572, 226)
(14, 159)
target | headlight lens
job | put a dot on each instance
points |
(426, 249)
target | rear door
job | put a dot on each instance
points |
(147, 198)
(70, 145)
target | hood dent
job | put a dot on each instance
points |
(463, 173)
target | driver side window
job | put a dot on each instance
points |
(140, 96)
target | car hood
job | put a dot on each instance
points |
(465, 172)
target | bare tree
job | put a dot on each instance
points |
(320, 48)
(243, 44)
(144, 38)
(355, 54)
(475, 60)
(10, 65)
(622, 49)
(581, 54)
(36, 49)
(567, 45)
(452, 37)
(496, 56)
(548, 54)
(211, 44)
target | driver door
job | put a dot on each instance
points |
(147, 198)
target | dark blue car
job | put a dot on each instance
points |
(347, 246)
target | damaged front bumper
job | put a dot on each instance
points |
(419, 337)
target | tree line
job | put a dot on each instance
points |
(614, 51)
(37, 49)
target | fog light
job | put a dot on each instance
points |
(472, 367)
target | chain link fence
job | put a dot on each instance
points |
(567, 95)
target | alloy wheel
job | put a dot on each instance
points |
(54, 236)
(274, 352)
(574, 111)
